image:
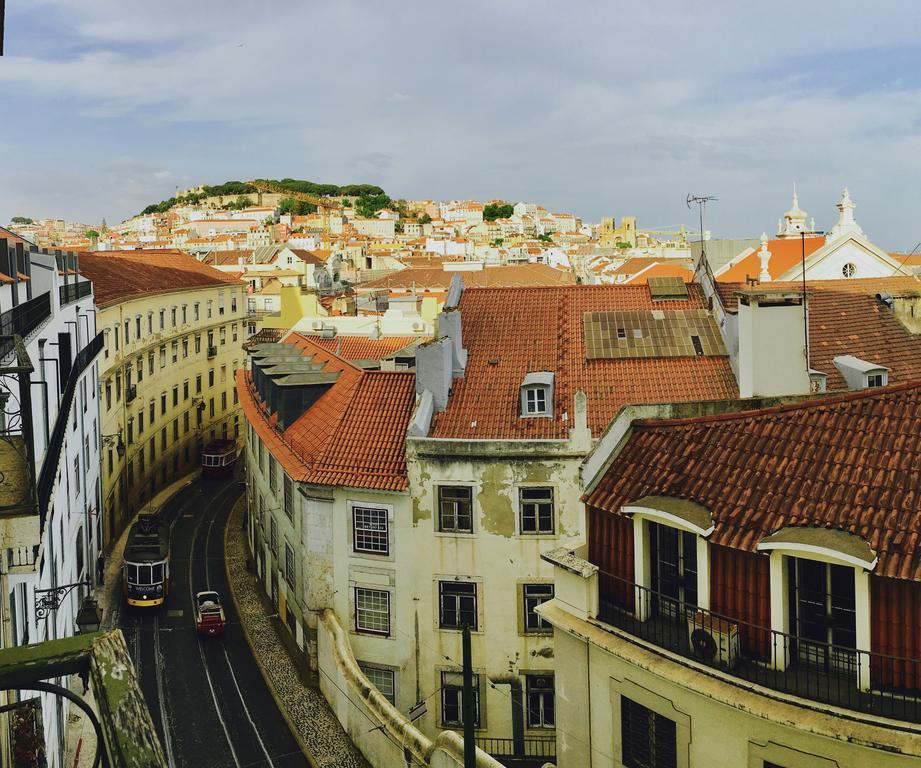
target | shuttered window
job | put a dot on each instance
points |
(648, 737)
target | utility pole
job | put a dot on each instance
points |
(467, 703)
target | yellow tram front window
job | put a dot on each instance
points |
(157, 573)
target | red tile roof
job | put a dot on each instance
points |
(674, 268)
(12, 238)
(515, 276)
(850, 462)
(363, 347)
(846, 319)
(540, 329)
(122, 275)
(353, 435)
(785, 254)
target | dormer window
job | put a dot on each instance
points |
(860, 374)
(537, 394)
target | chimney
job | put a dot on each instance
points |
(772, 343)
(450, 326)
(434, 371)
(765, 256)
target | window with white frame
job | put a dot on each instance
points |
(876, 380)
(535, 401)
(534, 595)
(381, 678)
(536, 510)
(537, 394)
(541, 702)
(372, 611)
(455, 509)
(457, 604)
(452, 699)
(370, 530)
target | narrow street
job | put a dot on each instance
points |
(207, 697)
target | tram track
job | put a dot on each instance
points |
(207, 697)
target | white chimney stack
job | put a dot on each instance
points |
(765, 256)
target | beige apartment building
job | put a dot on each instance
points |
(174, 330)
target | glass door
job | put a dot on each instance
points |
(823, 613)
(674, 570)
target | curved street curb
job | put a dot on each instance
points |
(311, 758)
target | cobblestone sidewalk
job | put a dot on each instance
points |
(307, 712)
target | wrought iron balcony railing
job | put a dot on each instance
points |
(22, 320)
(860, 680)
(74, 291)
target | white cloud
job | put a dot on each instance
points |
(593, 107)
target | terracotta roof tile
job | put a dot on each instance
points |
(363, 347)
(353, 435)
(540, 329)
(850, 462)
(121, 275)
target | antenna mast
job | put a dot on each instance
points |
(701, 202)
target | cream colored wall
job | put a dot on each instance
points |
(496, 556)
(745, 731)
(771, 357)
(328, 570)
(119, 500)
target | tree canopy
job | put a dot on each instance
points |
(493, 211)
(295, 207)
(238, 188)
(368, 205)
(21, 220)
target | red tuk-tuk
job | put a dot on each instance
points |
(209, 614)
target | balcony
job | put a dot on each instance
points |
(212, 352)
(131, 393)
(22, 320)
(49, 470)
(859, 680)
(533, 752)
(75, 291)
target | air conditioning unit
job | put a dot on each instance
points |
(713, 640)
(316, 325)
(418, 326)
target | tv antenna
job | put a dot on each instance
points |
(701, 202)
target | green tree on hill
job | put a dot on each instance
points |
(493, 211)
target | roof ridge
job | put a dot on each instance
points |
(810, 403)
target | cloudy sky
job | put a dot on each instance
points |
(598, 108)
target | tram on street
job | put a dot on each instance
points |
(218, 458)
(145, 574)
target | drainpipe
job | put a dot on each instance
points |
(514, 683)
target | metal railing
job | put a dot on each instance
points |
(22, 320)
(49, 468)
(888, 686)
(534, 747)
(212, 352)
(74, 291)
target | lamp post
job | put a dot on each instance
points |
(116, 440)
(88, 618)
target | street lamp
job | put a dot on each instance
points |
(88, 618)
(116, 440)
(48, 600)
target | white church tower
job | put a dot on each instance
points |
(846, 224)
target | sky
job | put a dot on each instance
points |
(595, 108)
